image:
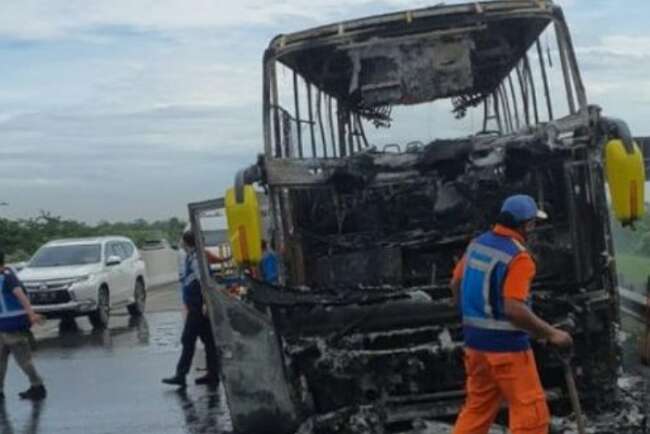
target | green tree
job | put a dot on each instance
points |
(20, 238)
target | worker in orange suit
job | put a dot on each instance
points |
(492, 283)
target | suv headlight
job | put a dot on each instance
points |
(80, 279)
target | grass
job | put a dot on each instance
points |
(635, 269)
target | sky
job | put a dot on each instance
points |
(121, 109)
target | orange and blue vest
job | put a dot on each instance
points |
(485, 325)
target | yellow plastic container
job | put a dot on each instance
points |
(626, 179)
(244, 226)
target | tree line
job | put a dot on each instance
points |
(22, 237)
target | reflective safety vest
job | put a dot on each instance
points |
(192, 296)
(13, 317)
(485, 325)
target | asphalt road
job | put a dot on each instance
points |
(109, 382)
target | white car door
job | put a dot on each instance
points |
(130, 265)
(116, 272)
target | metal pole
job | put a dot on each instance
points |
(311, 121)
(547, 92)
(340, 123)
(577, 79)
(276, 115)
(495, 96)
(565, 68)
(296, 99)
(350, 133)
(486, 113)
(573, 393)
(529, 74)
(266, 105)
(330, 115)
(506, 108)
(515, 108)
(523, 87)
(319, 114)
(363, 132)
(357, 132)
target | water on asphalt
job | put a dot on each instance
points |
(109, 383)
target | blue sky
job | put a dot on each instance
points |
(133, 108)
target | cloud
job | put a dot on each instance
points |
(44, 19)
(619, 48)
(162, 158)
(120, 109)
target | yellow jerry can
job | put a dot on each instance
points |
(244, 225)
(626, 178)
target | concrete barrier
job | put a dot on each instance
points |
(162, 265)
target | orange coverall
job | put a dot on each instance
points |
(494, 377)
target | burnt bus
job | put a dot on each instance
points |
(389, 143)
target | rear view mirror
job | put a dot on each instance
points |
(113, 260)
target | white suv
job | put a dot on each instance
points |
(86, 276)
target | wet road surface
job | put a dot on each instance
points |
(109, 382)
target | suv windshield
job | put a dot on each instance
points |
(57, 256)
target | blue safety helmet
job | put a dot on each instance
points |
(523, 208)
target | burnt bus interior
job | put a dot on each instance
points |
(370, 225)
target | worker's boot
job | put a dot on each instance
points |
(176, 380)
(34, 393)
(209, 380)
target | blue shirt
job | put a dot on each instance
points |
(191, 285)
(269, 267)
(13, 317)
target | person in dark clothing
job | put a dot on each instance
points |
(269, 268)
(16, 318)
(197, 323)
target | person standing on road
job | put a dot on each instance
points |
(493, 282)
(16, 318)
(269, 268)
(197, 324)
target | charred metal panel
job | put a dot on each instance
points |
(253, 374)
(369, 267)
(255, 383)
(410, 72)
(398, 63)
(256, 387)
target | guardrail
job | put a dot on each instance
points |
(162, 265)
(634, 304)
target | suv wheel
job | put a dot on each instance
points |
(99, 317)
(140, 298)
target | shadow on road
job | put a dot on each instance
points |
(70, 335)
(30, 426)
(200, 414)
